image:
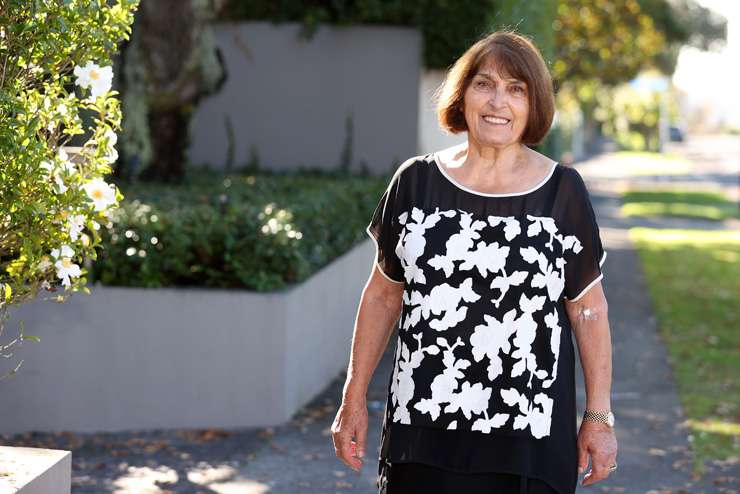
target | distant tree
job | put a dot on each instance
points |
(684, 22)
(601, 44)
(608, 40)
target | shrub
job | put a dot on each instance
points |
(260, 232)
(55, 58)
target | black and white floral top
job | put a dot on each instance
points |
(484, 368)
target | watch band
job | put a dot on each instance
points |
(597, 416)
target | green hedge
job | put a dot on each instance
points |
(254, 231)
(448, 28)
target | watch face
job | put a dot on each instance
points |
(610, 419)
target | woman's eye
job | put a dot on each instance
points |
(518, 89)
(482, 83)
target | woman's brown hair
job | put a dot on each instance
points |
(513, 56)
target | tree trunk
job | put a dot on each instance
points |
(168, 130)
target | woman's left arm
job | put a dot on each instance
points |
(589, 319)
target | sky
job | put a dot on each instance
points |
(714, 77)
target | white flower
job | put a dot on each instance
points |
(61, 188)
(98, 79)
(55, 170)
(65, 251)
(48, 166)
(67, 165)
(65, 269)
(43, 264)
(111, 156)
(76, 225)
(65, 266)
(101, 193)
(111, 137)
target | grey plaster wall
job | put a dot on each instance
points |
(431, 136)
(289, 98)
(130, 358)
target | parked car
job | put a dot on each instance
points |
(675, 134)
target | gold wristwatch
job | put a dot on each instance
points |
(605, 417)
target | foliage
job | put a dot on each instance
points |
(533, 19)
(254, 231)
(610, 40)
(50, 203)
(683, 22)
(447, 28)
(693, 277)
(630, 118)
(603, 44)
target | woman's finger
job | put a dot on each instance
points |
(360, 436)
(342, 440)
(344, 448)
(582, 459)
(346, 454)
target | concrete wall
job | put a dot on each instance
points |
(290, 98)
(130, 358)
(431, 136)
(35, 471)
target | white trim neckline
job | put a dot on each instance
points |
(457, 184)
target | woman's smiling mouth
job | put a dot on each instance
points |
(496, 120)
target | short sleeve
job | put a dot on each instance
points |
(585, 254)
(385, 230)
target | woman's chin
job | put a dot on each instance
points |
(500, 139)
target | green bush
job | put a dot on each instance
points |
(260, 232)
(448, 28)
(56, 68)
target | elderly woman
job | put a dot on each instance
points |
(488, 255)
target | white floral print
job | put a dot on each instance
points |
(479, 266)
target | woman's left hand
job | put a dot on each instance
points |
(598, 441)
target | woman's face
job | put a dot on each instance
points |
(496, 108)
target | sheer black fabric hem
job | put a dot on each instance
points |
(410, 477)
(469, 453)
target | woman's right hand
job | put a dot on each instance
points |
(349, 431)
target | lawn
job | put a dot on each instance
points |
(709, 205)
(646, 163)
(694, 283)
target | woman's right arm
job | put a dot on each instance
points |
(378, 312)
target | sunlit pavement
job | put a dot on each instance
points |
(704, 162)
(654, 454)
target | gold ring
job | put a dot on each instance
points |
(613, 467)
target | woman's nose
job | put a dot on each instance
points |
(496, 104)
(496, 98)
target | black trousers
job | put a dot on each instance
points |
(418, 478)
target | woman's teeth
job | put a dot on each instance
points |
(496, 120)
